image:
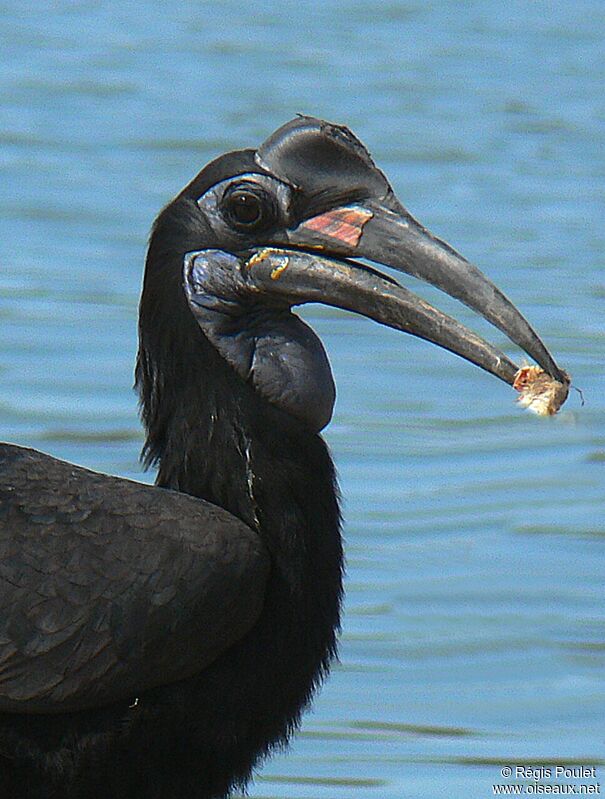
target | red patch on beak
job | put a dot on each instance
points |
(343, 224)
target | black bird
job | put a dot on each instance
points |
(159, 641)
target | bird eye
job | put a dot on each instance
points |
(247, 207)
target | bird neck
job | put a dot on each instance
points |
(213, 436)
(208, 430)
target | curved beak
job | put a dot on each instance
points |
(382, 231)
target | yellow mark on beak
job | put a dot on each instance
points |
(315, 246)
(268, 252)
(258, 257)
(276, 273)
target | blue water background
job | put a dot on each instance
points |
(474, 631)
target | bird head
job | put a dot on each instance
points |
(260, 231)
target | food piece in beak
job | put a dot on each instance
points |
(540, 392)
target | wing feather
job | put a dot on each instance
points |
(110, 587)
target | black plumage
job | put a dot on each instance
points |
(158, 641)
(149, 563)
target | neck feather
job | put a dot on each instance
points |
(213, 436)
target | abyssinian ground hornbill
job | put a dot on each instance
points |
(157, 641)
